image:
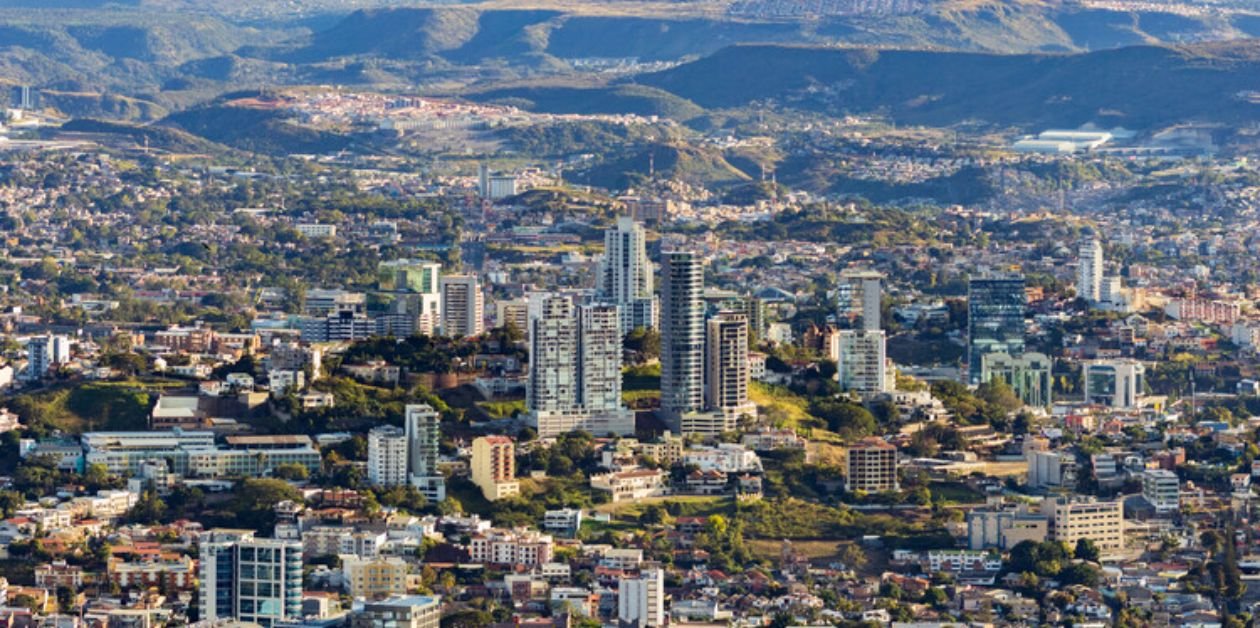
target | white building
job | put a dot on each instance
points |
(860, 361)
(44, 353)
(316, 230)
(1162, 489)
(462, 306)
(423, 429)
(625, 276)
(387, 456)
(1115, 383)
(1051, 469)
(860, 296)
(641, 600)
(575, 371)
(1089, 271)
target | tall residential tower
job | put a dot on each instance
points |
(682, 336)
(625, 276)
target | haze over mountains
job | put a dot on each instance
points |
(1041, 62)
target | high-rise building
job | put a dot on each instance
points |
(1028, 375)
(1114, 383)
(1089, 271)
(641, 600)
(494, 467)
(860, 296)
(415, 288)
(409, 275)
(625, 276)
(250, 580)
(462, 306)
(995, 316)
(387, 456)
(860, 361)
(575, 369)
(726, 369)
(415, 611)
(682, 336)
(871, 466)
(45, 352)
(423, 429)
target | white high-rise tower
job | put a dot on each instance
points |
(625, 275)
(1089, 276)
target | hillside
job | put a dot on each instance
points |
(1136, 87)
(258, 130)
(636, 99)
(689, 164)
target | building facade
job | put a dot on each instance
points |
(494, 467)
(625, 276)
(463, 306)
(575, 369)
(995, 319)
(250, 580)
(1028, 375)
(682, 337)
(422, 426)
(871, 466)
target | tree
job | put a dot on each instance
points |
(255, 500)
(852, 556)
(149, 509)
(1086, 549)
(644, 343)
(845, 418)
(292, 471)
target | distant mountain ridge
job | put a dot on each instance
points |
(1136, 87)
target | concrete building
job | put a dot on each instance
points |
(995, 315)
(859, 298)
(1073, 519)
(513, 312)
(625, 276)
(44, 353)
(1089, 271)
(374, 578)
(860, 361)
(414, 289)
(641, 600)
(682, 337)
(494, 467)
(871, 466)
(1162, 490)
(524, 547)
(1028, 375)
(575, 370)
(415, 611)
(463, 306)
(1115, 383)
(322, 302)
(387, 456)
(1051, 469)
(726, 370)
(249, 580)
(1004, 528)
(194, 454)
(423, 430)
